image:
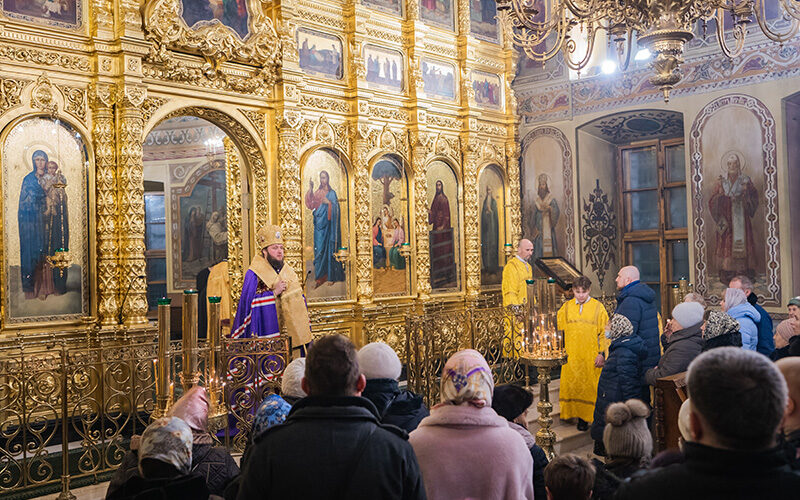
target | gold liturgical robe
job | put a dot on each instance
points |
(515, 292)
(584, 338)
(291, 304)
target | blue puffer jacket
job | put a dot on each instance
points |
(637, 303)
(766, 343)
(620, 380)
(748, 317)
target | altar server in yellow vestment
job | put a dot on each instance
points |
(583, 320)
(515, 273)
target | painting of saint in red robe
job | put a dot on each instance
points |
(733, 204)
(443, 270)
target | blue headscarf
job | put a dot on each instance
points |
(272, 411)
(38, 154)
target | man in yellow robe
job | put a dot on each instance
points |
(583, 320)
(515, 273)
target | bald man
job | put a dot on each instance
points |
(790, 368)
(637, 302)
(515, 273)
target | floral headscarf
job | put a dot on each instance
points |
(467, 378)
(719, 323)
(169, 440)
(273, 410)
(192, 408)
(619, 326)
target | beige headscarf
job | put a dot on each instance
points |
(786, 329)
(467, 378)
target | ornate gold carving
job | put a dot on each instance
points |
(328, 104)
(446, 145)
(388, 113)
(380, 34)
(258, 119)
(10, 92)
(74, 101)
(325, 132)
(444, 121)
(491, 152)
(104, 15)
(102, 101)
(362, 219)
(150, 106)
(470, 150)
(512, 169)
(289, 193)
(313, 18)
(490, 128)
(130, 175)
(463, 17)
(233, 187)
(412, 12)
(420, 150)
(44, 58)
(42, 97)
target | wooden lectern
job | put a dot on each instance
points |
(670, 393)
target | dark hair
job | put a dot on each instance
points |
(741, 396)
(510, 401)
(582, 282)
(569, 477)
(706, 314)
(332, 367)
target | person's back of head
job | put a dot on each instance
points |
(626, 434)
(379, 361)
(292, 379)
(737, 399)
(790, 369)
(569, 477)
(510, 401)
(165, 450)
(695, 297)
(332, 368)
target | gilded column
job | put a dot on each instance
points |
(130, 175)
(420, 149)
(362, 223)
(289, 190)
(512, 166)
(102, 102)
(470, 151)
(233, 185)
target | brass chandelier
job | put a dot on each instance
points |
(543, 28)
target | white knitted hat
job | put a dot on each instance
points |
(291, 384)
(688, 314)
(378, 360)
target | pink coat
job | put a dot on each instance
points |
(466, 452)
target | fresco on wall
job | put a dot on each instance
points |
(389, 202)
(233, 14)
(483, 19)
(487, 89)
(443, 230)
(390, 6)
(438, 13)
(547, 193)
(385, 67)
(62, 13)
(735, 197)
(325, 224)
(198, 217)
(320, 53)
(439, 78)
(44, 208)
(491, 197)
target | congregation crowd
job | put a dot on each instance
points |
(342, 427)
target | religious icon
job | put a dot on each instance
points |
(492, 224)
(483, 19)
(320, 53)
(44, 185)
(443, 220)
(439, 79)
(390, 6)
(545, 217)
(389, 194)
(437, 13)
(487, 89)
(62, 13)
(325, 217)
(733, 204)
(231, 13)
(385, 67)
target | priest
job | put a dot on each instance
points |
(515, 293)
(272, 296)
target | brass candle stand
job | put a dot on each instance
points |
(217, 412)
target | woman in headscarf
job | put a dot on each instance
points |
(736, 305)
(164, 465)
(213, 463)
(464, 448)
(720, 330)
(31, 221)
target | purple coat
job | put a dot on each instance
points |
(469, 452)
(256, 315)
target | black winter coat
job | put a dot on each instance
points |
(188, 487)
(608, 476)
(332, 448)
(637, 303)
(212, 463)
(733, 338)
(681, 348)
(711, 473)
(620, 380)
(396, 407)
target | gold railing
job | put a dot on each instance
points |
(69, 408)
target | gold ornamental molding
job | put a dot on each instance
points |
(10, 93)
(44, 58)
(217, 43)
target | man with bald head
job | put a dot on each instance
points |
(516, 271)
(637, 302)
(790, 426)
